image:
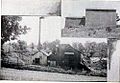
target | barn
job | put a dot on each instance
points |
(66, 56)
(100, 17)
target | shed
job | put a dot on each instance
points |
(40, 58)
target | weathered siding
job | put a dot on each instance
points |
(68, 60)
(43, 58)
(102, 18)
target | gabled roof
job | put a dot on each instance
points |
(67, 47)
(43, 52)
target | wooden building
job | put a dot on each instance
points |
(66, 56)
(40, 58)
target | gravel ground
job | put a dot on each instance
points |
(14, 74)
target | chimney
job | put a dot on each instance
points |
(39, 43)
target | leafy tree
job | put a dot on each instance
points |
(10, 29)
(15, 46)
(90, 48)
(75, 45)
(52, 45)
(45, 45)
(22, 45)
(81, 47)
(32, 46)
(102, 50)
(117, 17)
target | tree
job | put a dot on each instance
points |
(81, 47)
(22, 45)
(10, 29)
(45, 45)
(102, 50)
(90, 48)
(75, 45)
(32, 46)
(52, 45)
(117, 17)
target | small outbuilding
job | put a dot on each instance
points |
(40, 58)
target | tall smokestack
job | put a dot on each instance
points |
(39, 43)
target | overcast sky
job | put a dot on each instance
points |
(33, 23)
(29, 7)
(76, 8)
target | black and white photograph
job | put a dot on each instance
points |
(96, 19)
(60, 40)
(30, 47)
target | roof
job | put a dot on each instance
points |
(105, 10)
(67, 47)
(45, 53)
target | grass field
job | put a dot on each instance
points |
(14, 74)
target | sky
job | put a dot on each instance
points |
(51, 28)
(33, 33)
(76, 8)
(29, 7)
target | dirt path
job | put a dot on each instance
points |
(14, 74)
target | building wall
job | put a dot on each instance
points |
(63, 59)
(100, 18)
(73, 22)
(43, 58)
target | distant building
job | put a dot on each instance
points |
(100, 17)
(66, 56)
(74, 22)
(40, 58)
(69, 56)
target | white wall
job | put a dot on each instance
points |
(114, 72)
